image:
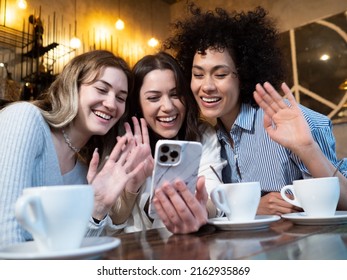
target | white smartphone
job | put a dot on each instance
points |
(175, 159)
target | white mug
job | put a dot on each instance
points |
(56, 216)
(318, 196)
(239, 201)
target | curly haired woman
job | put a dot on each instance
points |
(234, 65)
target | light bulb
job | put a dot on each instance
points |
(152, 42)
(75, 43)
(22, 4)
(120, 24)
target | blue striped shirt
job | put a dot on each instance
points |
(255, 157)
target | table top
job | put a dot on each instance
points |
(282, 240)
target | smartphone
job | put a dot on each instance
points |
(175, 159)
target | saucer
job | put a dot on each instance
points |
(90, 248)
(301, 218)
(260, 222)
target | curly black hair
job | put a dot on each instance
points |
(249, 37)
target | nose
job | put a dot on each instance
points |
(208, 84)
(110, 102)
(167, 104)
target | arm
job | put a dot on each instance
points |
(287, 126)
(21, 142)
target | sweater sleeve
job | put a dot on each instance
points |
(20, 143)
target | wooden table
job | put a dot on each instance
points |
(283, 240)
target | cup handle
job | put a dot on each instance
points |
(218, 198)
(286, 198)
(29, 213)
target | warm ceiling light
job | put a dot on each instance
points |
(75, 43)
(324, 57)
(153, 42)
(120, 24)
(22, 4)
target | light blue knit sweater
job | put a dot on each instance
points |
(28, 158)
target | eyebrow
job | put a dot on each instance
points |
(110, 86)
(215, 68)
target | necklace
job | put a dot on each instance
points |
(68, 142)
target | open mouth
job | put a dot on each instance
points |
(211, 99)
(167, 119)
(102, 115)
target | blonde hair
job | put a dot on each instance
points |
(59, 104)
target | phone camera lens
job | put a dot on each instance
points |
(174, 154)
(163, 158)
(165, 149)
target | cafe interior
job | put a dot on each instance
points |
(37, 38)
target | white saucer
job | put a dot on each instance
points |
(90, 248)
(260, 221)
(301, 218)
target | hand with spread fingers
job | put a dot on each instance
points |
(283, 121)
(119, 168)
(140, 152)
(179, 209)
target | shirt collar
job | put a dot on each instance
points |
(245, 120)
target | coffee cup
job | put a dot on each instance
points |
(56, 216)
(239, 201)
(318, 196)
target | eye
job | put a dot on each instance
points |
(101, 90)
(174, 94)
(153, 98)
(121, 98)
(197, 75)
(221, 75)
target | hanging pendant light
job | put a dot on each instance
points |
(119, 23)
(22, 4)
(75, 42)
(152, 42)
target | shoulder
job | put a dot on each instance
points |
(315, 119)
(22, 115)
(21, 109)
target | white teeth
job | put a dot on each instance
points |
(210, 100)
(167, 119)
(102, 115)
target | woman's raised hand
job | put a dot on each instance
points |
(140, 152)
(128, 165)
(283, 121)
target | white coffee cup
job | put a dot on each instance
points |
(318, 196)
(239, 201)
(56, 216)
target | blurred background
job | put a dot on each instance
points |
(37, 38)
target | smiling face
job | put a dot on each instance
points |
(215, 86)
(161, 107)
(101, 103)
